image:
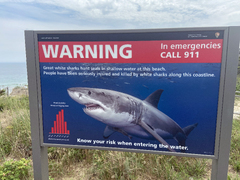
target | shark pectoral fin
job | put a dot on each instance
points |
(108, 132)
(123, 132)
(154, 134)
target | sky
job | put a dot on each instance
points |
(19, 15)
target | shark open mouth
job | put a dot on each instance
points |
(92, 106)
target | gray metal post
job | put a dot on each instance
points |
(220, 165)
(39, 153)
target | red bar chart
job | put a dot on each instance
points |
(60, 126)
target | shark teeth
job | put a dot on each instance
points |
(92, 106)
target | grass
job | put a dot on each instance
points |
(235, 146)
(14, 103)
(15, 138)
(66, 163)
(125, 165)
(238, 80)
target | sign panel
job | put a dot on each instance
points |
(153, 91)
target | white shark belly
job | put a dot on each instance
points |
(118, 120)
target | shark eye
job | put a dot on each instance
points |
(89, 92)
(79, 95)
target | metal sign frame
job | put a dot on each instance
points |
(227, 85)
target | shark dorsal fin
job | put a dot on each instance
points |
(153, 98)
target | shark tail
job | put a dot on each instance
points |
(181, 138)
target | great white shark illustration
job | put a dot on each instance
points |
(129, 115)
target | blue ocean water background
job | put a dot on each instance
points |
(187, 101)
(12, 75)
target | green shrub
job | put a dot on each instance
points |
(2, 92)
(1, 107)
(15, 170)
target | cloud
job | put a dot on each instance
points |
(15, 18)
(19, 15)
(147, 12)
(122, 13)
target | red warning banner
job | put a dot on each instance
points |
(171, 51)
